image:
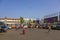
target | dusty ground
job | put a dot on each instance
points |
(35, 34)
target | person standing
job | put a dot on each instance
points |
(24, 30)
(49, 27)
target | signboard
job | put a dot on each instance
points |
(51, 19)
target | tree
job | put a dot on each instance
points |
(30, 23)
(34, 21)
(21, 20)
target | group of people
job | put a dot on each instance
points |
(48, 25)
(49, 28)
(24, 28)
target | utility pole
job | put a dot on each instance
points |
(58, 16)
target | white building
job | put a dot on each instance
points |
(13, 21)
(10, 21)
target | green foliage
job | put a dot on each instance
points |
(21, 20)
(31, 21)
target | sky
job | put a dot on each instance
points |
(28, 8)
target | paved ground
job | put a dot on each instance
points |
(36, 34)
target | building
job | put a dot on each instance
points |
(55, 17)
(10, 21)
(13, 21)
